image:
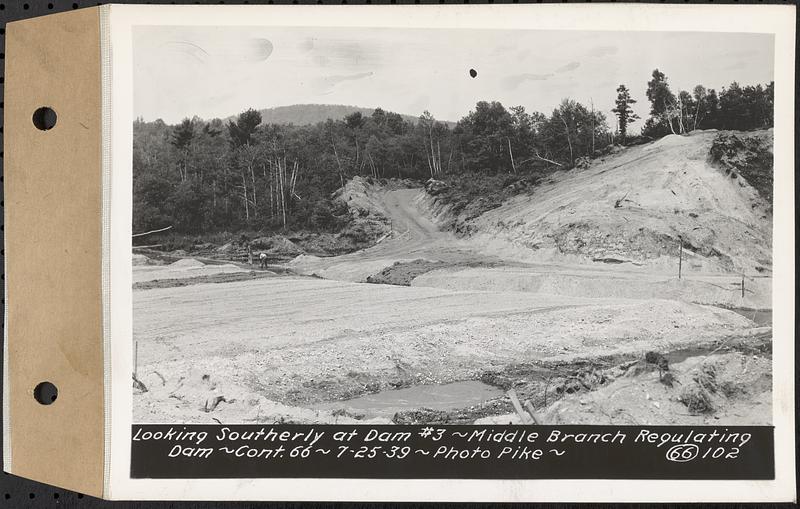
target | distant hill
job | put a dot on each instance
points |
(305, 114)
(309, 114)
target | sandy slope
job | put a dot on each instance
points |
(634, 206)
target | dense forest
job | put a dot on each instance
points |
(244, 174)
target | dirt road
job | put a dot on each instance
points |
(414, 236)
(408, 219)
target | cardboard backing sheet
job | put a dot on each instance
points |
(53, 228)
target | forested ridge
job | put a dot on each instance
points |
(307, 114)
(203, 176)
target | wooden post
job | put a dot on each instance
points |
(680, 256)
(523, 415)
(531, 411)
(743, 285)
(136, 360)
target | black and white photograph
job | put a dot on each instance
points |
(451, 226)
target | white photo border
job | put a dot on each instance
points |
(776, 19)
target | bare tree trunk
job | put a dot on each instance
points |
(434, 167)
(569, 141)
(430, 166)
(696, 114)
(268, 184)
(282, 173)
(438, 156)
(511, 155)
(255, 199)
(295, 173)
(669, 120)
(244, 195)
(592, 103)
(339, 163)
(449, 159)
(372, 166)
(273, 190)
(668, 113)
(537, 156)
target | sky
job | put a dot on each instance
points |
(213, 72)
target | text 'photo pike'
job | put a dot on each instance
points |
(452, 226)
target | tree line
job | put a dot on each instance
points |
(201, 176)
(211, 175)
(735, 107)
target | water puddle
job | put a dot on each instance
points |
(762, 317)
(437, 397)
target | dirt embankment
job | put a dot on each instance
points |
(748, 155)
(643, 205)
(404, 273)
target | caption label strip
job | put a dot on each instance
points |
(454, 452)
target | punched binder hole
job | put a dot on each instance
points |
(45, 393)
(44, 118)
(473, 73)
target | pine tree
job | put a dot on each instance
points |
(241, 132)
(624, 112)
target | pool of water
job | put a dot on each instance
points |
(762, 317)
(437, 397)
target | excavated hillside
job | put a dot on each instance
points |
(708, 191)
